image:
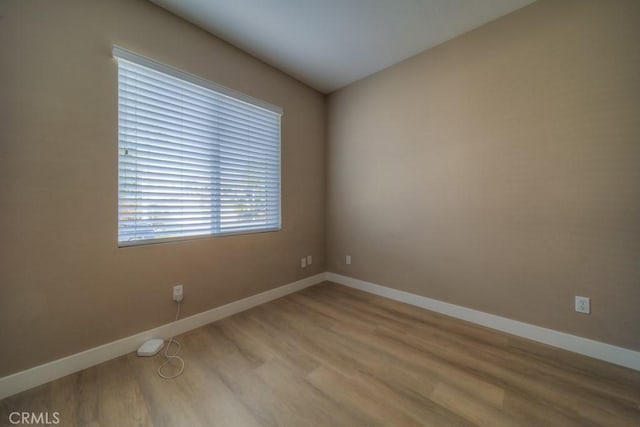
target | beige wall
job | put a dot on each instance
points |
(498, 171)
(64, 284)
(501, 170)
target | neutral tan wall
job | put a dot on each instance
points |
(501, 170)
(64, 284)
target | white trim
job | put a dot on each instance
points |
(598, 350)
(38, 375)
(127, 55)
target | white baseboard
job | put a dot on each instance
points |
(42, 374)
(598, 350)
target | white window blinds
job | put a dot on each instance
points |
(195, 158)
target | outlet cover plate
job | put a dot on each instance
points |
(178, 292)
(583, 305)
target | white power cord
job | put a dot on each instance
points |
(174, 356)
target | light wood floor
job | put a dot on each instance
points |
(334, 356)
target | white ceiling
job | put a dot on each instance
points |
(330, 43)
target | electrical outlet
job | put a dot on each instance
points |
(347, 259)
(309, 260)
(178, 293)
(303, 262)
(583, 305)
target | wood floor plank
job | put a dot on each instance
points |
(331, 355)
(416, 360)
(306, 398)
(349, 392)
(469, 407)
(374, 398)
(587, 404)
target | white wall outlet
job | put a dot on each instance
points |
(583, 305)
(309, 260)
(303, 262)
(347, 259)
(178, 293)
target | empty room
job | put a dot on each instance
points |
(320, 213)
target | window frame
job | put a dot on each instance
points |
(120, 53)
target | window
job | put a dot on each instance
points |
(194, 158)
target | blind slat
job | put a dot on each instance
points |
(193, 161)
